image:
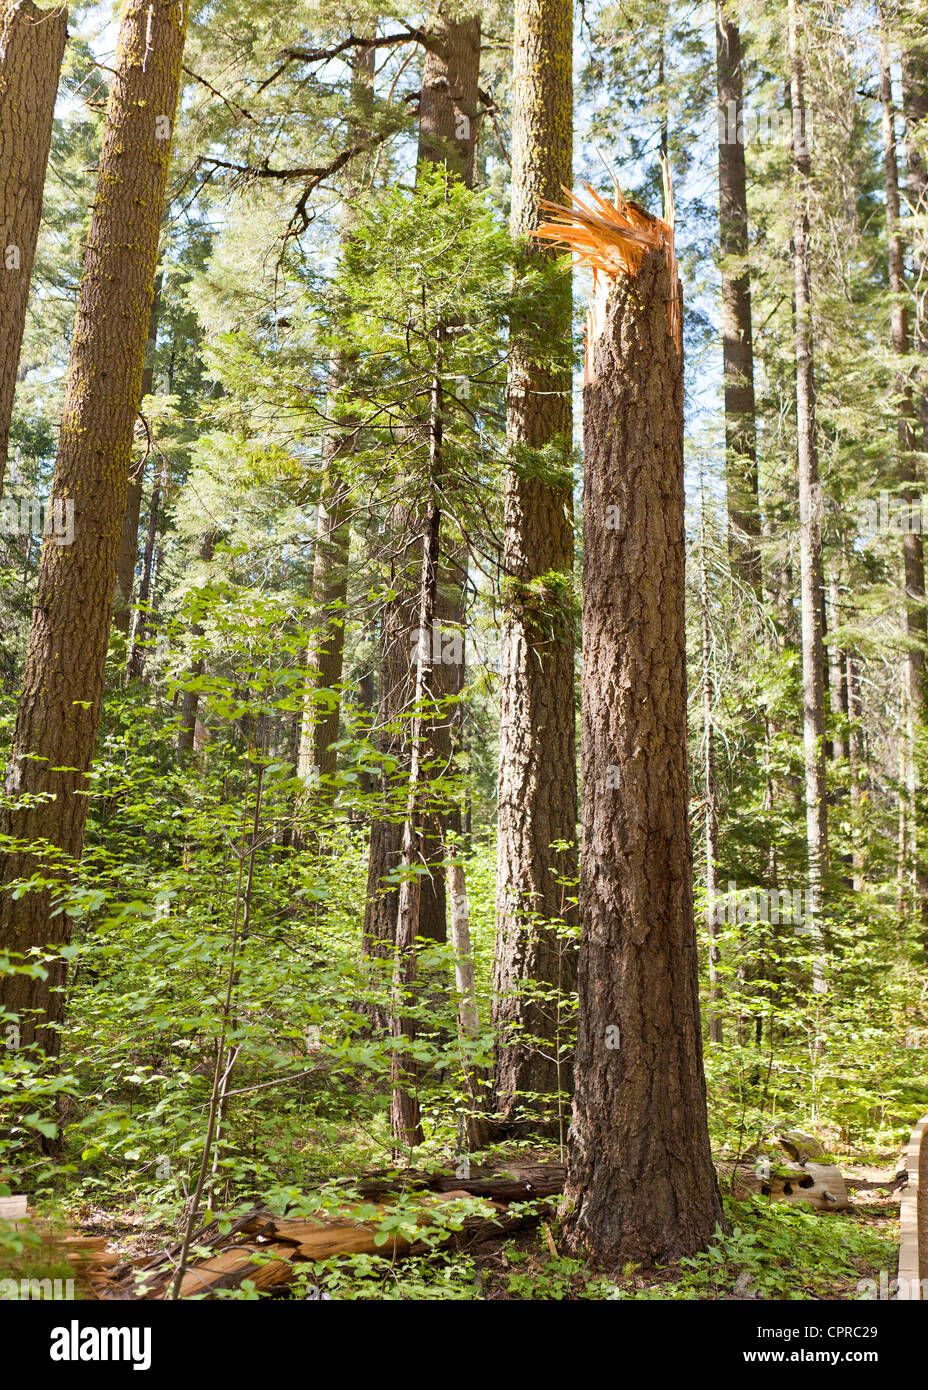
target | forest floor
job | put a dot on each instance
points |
(773, 1251)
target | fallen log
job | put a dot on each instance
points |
(820, 1185)
(87, 1256)
(270, 1250)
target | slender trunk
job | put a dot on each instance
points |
(712, 817)
(447, 135)
(855, 767)
(135, 667)
(537, 787)
(640, 1181)
(129, 545)
(913, 562)
(476, 1128)
(190, 704)
(59, 711)
(810, 510)
(915, 113)
(838, 682)
(737, 333)
(405, 1115)
(329, 585)
(31, 48)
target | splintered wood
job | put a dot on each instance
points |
(612, 240)
(88, 1257)
(270, 1250)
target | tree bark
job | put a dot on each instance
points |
(712, 812)
(641, 1184)
(59, 711)
(31, 48)
(129, 545)
(537, 787)
(913, 561)
(737, 334)
(810, 507)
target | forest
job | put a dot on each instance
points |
(463, 638)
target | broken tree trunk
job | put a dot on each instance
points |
(641, 1185)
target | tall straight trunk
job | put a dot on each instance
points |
(915, 113)
(447, 128)
(447, 135)
(855, 767)
(710, 790)
(838, 663)
(537, 787)
(135, 667)
(59, 711)
(405, 1110)
(190, 704)
(129, 545)
(31, 48)
(913, 561)
(329, 584)
(810, 507)
(640, 1180)
(737, 333)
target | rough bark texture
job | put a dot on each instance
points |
(810, 497)
(31, 48)
(59, 711)
(129, 545)
(709, 787)
(737, 334)
(537, 790)
(641, 1184)
(448, 100)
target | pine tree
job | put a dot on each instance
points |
(31, 48)
(537, 802)
(59, 710)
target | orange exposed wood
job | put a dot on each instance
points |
(613, 239)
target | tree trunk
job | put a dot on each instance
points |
(737, 334)
(129, 545)
(135, 666)
(537, 789)
(712, 814)
(190, 704)
(31, 48)
(329, 587)
(913, 562)
(405, 1115)
(640, 1181)
(810, 509)
(447, 134)
(59, 711)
